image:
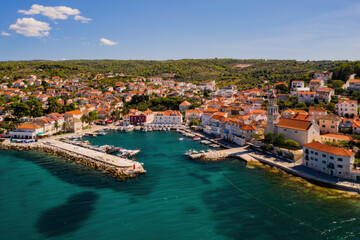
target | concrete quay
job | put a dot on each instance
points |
(240, 152)
(114, 165)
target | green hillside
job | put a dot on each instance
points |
(224, 71)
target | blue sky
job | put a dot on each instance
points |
(176, 29)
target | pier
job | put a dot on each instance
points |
(105, 158)
(114, 165)
(240, 152)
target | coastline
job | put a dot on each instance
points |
(293, 168)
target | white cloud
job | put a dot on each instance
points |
(82, 19)
(5, 34)
(29, 27)
(59, 12)
(108, 42)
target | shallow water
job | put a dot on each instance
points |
(46, 197)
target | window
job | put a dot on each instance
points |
(316, 159)
(324, 162)
(340, 159)
(312, 158)
(340, 166)
(331, 158)
(339, 172)
(316, 153)
(324, 155)
(295, 131)
(312, 152)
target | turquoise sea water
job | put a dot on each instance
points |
(45, 197)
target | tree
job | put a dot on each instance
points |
(142, 106)
(282, 88)
(36, 108)
(53, 105)
(56, 125)
(337, 84)
(279, 140)
(269, 138)
(18, 109)
(330, 107)
(15, 98)
(64, 126)
(93, 116)
(194, 122)
(83, 120)
(300, 105)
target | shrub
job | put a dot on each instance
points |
(291, 143)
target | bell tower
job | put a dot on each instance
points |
(273, 115)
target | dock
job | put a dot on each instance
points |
(239, 152)
(114, 165)
(104, 158)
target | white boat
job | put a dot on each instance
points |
(127, 153)
(180, 139)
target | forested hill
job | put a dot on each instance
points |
(344, 71)
(224, 71)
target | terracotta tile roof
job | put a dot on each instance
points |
(347, 101)
(194, 111)
(294, 111)
(331, 117)
(246, 127)
(300, 116)
(329, 149)
(294, 124)
(76, 112)
(316, 109)
(354, 81)
(338, 136)
(29, 126)
(185, 103)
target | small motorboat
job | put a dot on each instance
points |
(196, 138)
(180, 139)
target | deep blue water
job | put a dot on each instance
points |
(46, 197)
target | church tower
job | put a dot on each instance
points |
(273, 115)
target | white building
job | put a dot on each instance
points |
(297, 84)
(168, 117)
(26, 131)
(328, 159)
(346, 107)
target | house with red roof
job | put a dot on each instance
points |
(328, 159)
(346, 108)
(184, 106)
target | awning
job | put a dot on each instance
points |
(40, 134)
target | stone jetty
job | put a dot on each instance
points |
(113, 165)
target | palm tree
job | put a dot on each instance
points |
(83, 119)
(64, 126)
(56, 126)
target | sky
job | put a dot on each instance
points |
(178, 29)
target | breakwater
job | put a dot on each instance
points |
(109, 164)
